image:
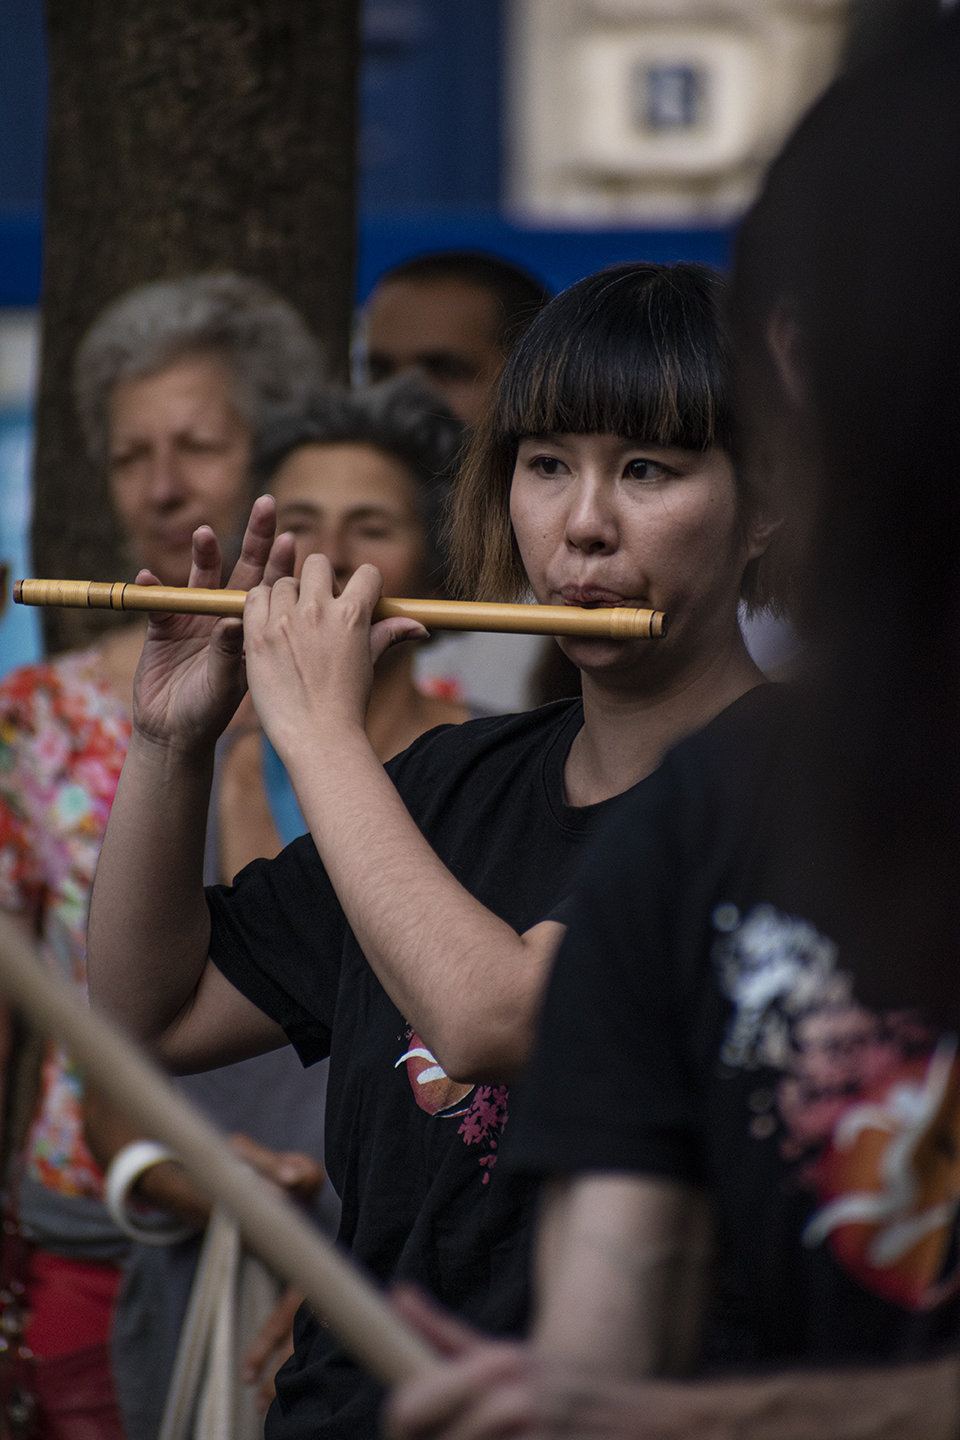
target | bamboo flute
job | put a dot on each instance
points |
(614, 623)
(337, 1290)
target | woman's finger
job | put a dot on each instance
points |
(163, 621)
(290, 1169)
(443, 1331)
(273, 1333)
(267, 1389)
(226, 649)
(257, 542)
(205, 561)
(282, 558)
(317, 578)
(484, 1394)
(391, 632)
(282, 595)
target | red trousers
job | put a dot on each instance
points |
(71, 1303)
(71, 1309)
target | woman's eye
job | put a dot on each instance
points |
(644, 470)
(547, 465)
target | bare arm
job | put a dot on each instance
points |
(149, 926)
(491, 1390)
(468, 983)
(622, 1269)
(165, 1186)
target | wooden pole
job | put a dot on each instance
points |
(336, 1289)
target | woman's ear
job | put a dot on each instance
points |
(760, 530)
(783, 343)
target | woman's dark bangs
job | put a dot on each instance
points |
(647, 371)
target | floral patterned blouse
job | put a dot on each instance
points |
(63, 737)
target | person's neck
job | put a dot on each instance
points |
(626, 733)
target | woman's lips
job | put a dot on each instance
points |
(593, 595)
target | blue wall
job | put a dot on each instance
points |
(430, 152)
(430, 105)
(23, 85)
(23, 96)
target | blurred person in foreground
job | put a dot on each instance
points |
(173, 383)
(764, 1041)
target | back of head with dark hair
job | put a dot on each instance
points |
(520, 296)
(638, 350)
(857, 240)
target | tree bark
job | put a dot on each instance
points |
(182, 138)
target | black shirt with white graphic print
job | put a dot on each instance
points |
(412, 1154)
(700, 1026)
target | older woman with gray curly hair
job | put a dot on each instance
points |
(175, 383)
(364, 477)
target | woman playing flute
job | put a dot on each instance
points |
(409, 935)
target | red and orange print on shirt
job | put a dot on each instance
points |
(868, 1105)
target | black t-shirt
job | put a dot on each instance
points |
(412, 1155)
(700, 1025)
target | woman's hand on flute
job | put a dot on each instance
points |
(310, 652)
(191, 675)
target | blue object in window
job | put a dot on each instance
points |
(671, 97)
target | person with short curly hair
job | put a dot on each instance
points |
(364, 476)
(272, 359)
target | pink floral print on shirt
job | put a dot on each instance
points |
(63, 738)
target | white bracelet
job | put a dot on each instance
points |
(124, 1170)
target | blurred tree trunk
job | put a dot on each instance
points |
(182, 137)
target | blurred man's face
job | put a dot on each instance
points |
(445, 328)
